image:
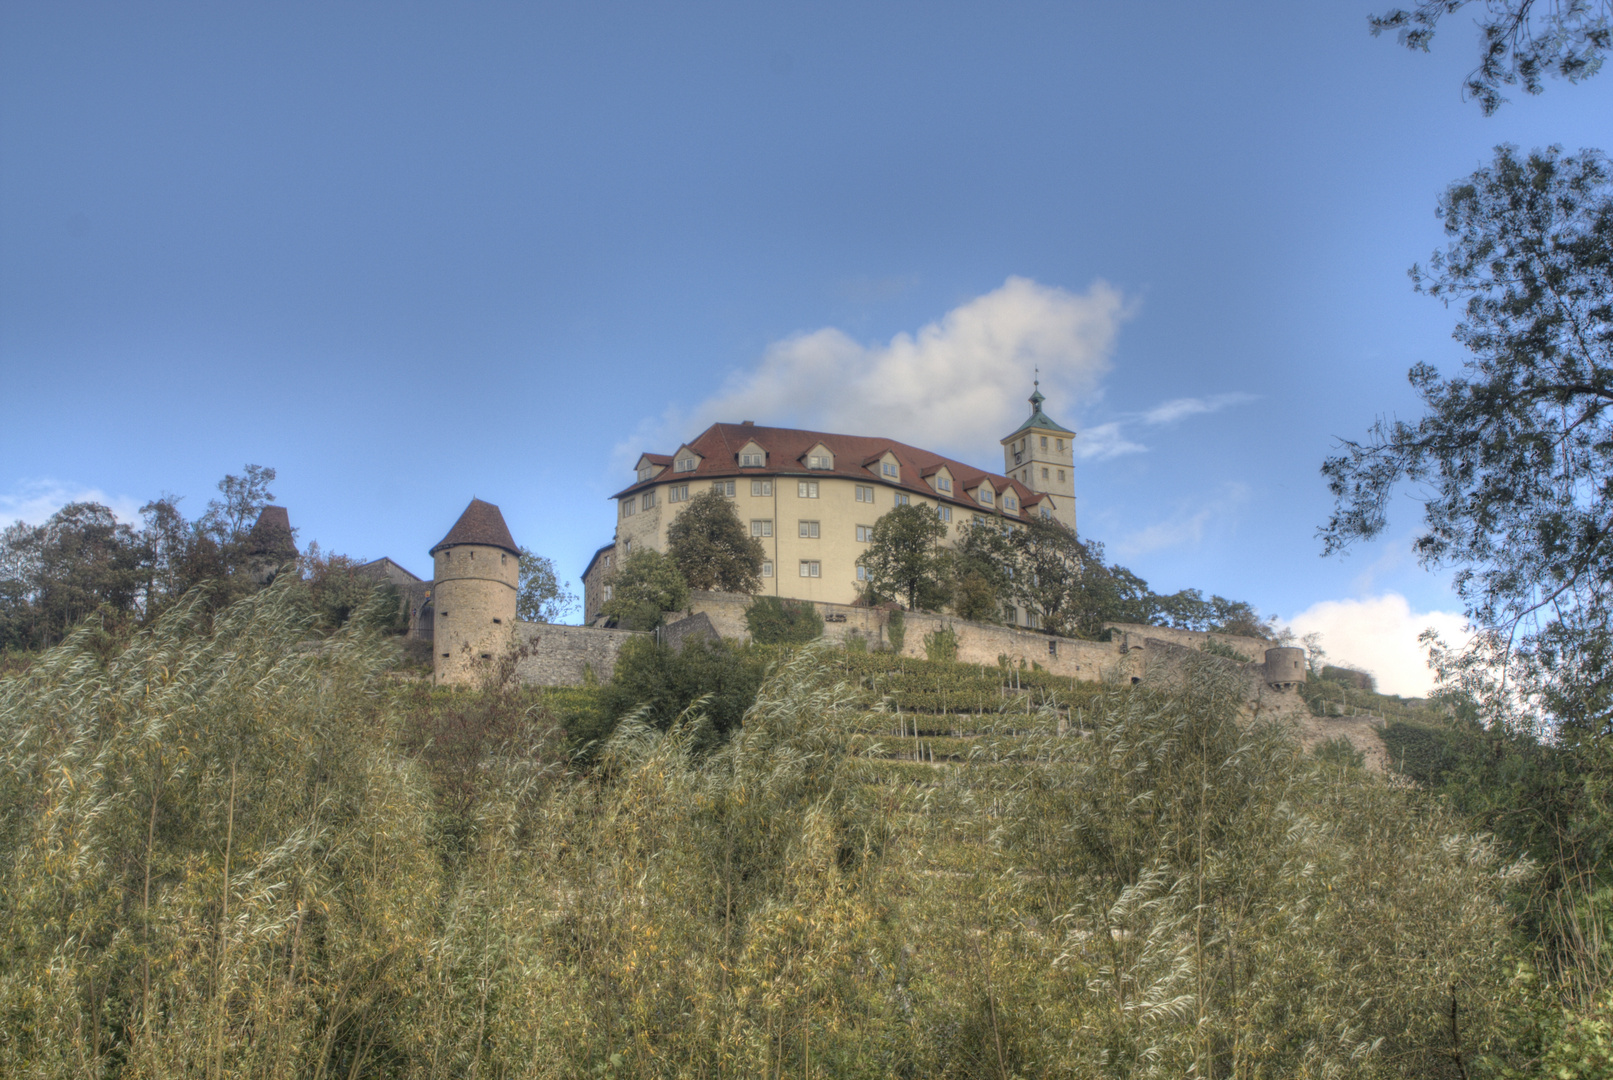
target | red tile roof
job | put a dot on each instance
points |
(481, 523)
(718, 447)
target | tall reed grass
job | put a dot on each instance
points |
(224, 853)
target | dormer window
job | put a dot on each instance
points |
(646, 472)
(1010, 503)
(752, 461)
(889, 468)
(818, 461)
(986, 496)
(943, 484)
(685, 464)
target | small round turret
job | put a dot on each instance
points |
(476, 572)
(1285, 668)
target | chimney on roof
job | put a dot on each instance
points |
(747, 423)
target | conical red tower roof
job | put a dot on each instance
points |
(272, 534)
(481, 523)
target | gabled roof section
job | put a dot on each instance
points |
(1039, 419)
(386, 568)
(788, 448)
(589, 569)
(482, 524)
(647, 459)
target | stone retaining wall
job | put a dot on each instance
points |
(565, 655)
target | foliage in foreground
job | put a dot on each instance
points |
(223, 858)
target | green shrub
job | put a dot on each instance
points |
(1339, 751)
(774, 621)
(663, 683)
(942, 644)
(896, 629)
(1221, 648)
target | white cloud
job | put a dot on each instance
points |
(34, 501)
(1175, 409)
(958, 384)
(1379, 634)
(1103, 442)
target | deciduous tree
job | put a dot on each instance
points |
(541, 595)
(712, 548)
(644, 588)
(904, 558)
(1522, 41)
(1513, 456)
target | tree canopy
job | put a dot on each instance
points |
(1514, 454)
(904, 557)
(645, 587)
(541, 596)
(712, 548)
(1522, 41)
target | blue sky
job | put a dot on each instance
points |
(407, 254)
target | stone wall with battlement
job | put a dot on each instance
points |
(1134, 635)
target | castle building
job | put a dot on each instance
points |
(811, 498)
(476, 572)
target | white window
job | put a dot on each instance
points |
(767, 569)
(976, 519)
(818, 461)
(865, 493)
(610, 590)
(944, 512)
(943, 484)
(806, 489)
(889, 469)
(865, 534)
(809, 530)
(629, 506)
(811, 568)
(649, 499)
(1010, 503)
(685, 464)
(723, 487)
(1046, 512)
(903, 499)
(677, 493)
(646, 472)
(862, 573)
(761, 488)
(761, 528)
(752, 461)
(986, 496)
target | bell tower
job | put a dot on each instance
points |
(1041, 455)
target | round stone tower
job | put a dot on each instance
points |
(475, 573)
(1285, 668)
